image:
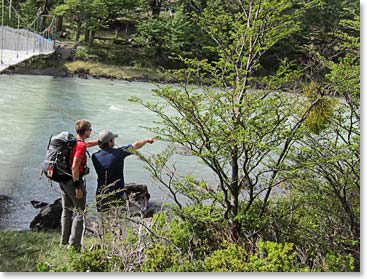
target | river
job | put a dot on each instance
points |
(34, 107)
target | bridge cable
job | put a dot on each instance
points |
(2, 31)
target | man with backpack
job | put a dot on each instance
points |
(74, 189)
(109, 165)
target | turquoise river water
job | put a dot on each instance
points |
(34, 107)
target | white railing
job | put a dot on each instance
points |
(25, 40)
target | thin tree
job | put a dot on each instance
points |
(242, 135)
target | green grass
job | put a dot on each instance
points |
(101, 70)
(20, 251)
(28, 251)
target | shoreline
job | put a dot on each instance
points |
(56, 73)
(93, 70)
(88, 70)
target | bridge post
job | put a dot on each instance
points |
(2, 31)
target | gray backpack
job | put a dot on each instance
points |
(56, 165)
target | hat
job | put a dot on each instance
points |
(106, 136)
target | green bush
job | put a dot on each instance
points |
(95, 260)
(269, 257)
(230, 259)
(339, 263)
(273, 257)
(164, 257)
(180, 249)
(84, 54)
(322, 113)
(159, 257)
(91, 261)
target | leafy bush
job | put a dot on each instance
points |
(322, 113)
(337, 263)
(91, 261)
(83, 53)
(230, 259)
(273, 257)
(159, 258)
(269, 257)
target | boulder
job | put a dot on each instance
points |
(138, 197)
(5, 202)
(49, 217)
(4, 198)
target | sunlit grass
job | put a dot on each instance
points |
(119, 72)
(21, 250)
(28, 251)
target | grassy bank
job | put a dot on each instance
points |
(85, 69)
(22, 250)
(100, 70)
(28, 251)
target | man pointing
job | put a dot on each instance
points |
(109, 165)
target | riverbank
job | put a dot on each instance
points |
(86, 69)
(53, 66)
(65, 62)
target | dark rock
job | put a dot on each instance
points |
(38, 204)
(5, 203)
(49, 217)
(138, 197)
(4, 198)
(148, 213)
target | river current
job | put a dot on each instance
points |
(34, 107)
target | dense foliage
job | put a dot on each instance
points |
(287, 164)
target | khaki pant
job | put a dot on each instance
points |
(72, 228)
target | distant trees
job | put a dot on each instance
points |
(92, 16)
(166, 29)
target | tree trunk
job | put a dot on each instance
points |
(92, 35)
(234, 189)
(10, 6)
(155, 6)
(59, 23)
(42, 26)
(78, 31)
(117, 29)
(86, 35)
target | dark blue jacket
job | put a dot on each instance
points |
(109, 165)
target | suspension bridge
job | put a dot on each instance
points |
(21, 40)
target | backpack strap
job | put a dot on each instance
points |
(49, 141)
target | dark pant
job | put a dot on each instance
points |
(110, 196)
(72, 228)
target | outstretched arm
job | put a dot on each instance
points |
(91, 143)
(141, 143)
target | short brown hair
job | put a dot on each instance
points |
(81, 126)
(103, 145)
